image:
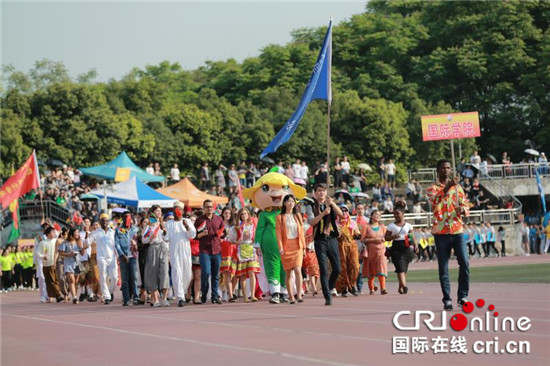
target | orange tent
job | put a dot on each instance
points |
(186, 192)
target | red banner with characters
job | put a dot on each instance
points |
(450, 126)
(25, 179)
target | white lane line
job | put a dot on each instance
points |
(192, 341)
(285, 330)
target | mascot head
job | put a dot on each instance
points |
(270, 190)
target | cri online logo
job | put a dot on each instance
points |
(459, 322)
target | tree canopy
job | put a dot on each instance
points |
(391, 64)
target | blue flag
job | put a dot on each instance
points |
(318, 87)
(541, 191)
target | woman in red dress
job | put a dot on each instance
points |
(228, 251)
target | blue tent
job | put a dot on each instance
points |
(134, 193)
(108, 170)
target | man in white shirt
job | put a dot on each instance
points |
(178, 234)
(475, 159)
(175, 173)
(150, 169)
(104, 237)
(37, 256)
(45, 253)
(304, 171)
(390, 171)
(346, 168)
(297, 169)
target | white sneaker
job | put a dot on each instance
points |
(165, 303)
(157, 305)
(43, 300)
(334, 292)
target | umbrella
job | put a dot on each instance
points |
(300, 181)
(365, 166)
(360, 194)
(119, 210)
(344, 193)
(492, 157)
(41, 163)
(54, 162)
(268, 160)
(89, 197)
(531, 152)
(308, 201)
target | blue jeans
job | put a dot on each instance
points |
(210, 266)
(444, 244)
(129, 275)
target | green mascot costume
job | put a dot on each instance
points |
(267, 194)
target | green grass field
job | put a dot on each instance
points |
(529, 273)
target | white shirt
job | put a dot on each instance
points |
(88, 251)
(46, 247)
(401, 230)
(105, 242)
(388, 206)
(175, 173)
(291, 227)
(417, 209)
(345, 166)
(304, 171)
(150, 170)
(390, 169)
(176, 231)
(297, 169)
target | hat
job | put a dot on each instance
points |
(104, 216)
(179, 204)
(170, 213)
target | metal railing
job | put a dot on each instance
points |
(495, 217)
(499, 171)
(35, 210)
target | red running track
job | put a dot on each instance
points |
(354, 331)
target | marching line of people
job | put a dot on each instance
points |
(186, 257)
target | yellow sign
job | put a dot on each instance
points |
(122, 174)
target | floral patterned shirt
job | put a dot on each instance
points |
(445, 219)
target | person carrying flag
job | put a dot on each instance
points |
(449, 204)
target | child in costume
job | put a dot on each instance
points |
(267, 194)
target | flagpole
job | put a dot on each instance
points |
(329, 101)
(328, 145)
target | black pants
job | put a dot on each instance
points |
(18, 275)
(328, 247)
(142, 257)
(27, 277)
(491, 244)
(6, 279)
(503, 248)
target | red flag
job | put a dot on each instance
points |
(56, 226)
(19, 184)
(201, 227)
